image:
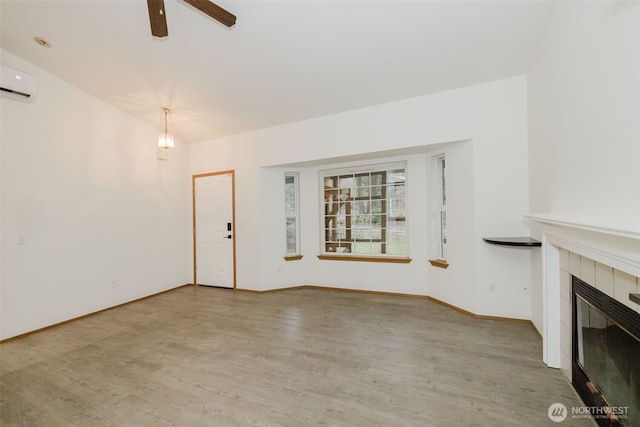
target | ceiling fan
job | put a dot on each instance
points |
(158, 19)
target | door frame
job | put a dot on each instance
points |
(233, 218)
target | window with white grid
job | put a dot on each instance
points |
(365, 211)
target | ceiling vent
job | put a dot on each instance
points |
(16, 84)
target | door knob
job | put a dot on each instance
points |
(227, 236)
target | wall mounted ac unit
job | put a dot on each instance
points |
(16, 84)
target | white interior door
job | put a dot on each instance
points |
(214, 230)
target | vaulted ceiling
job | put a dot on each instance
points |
(283, 61)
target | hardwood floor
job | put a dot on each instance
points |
(301, 357)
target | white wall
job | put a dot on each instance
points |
(84, 202)
(584, 105)
(488, 194)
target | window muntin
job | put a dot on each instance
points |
(365, 211)
(291, 202)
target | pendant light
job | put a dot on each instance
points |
(165, 139)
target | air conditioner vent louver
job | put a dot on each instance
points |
(16, 84)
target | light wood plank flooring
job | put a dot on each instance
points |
(301, 357)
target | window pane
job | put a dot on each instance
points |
(443, 182)
(346, 181)
(330, 182)
(395, 176)
(290, 196)
(443, 234)
(377, 191)
(363, 179)
(291, 235)
(360, 208)
(362, 248)
(396, 208)
(375, 248)
(397, 238)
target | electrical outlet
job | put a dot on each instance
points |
(113, 284)
(525, 291)
(492, 287)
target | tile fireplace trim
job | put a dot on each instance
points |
(604, 254)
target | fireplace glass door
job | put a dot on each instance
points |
(607, 356)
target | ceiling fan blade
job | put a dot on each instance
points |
(157, 18)
(213, 10)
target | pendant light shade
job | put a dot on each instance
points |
(165, 139)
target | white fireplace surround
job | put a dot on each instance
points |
(604, 256)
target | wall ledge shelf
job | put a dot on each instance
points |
(527, 242)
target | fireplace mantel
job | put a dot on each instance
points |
(631, 231)
(614, 244)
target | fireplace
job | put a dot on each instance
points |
(605, 256)
(605, 356)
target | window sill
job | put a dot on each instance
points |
(397, 260)
(293, 257)
(440, 263)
